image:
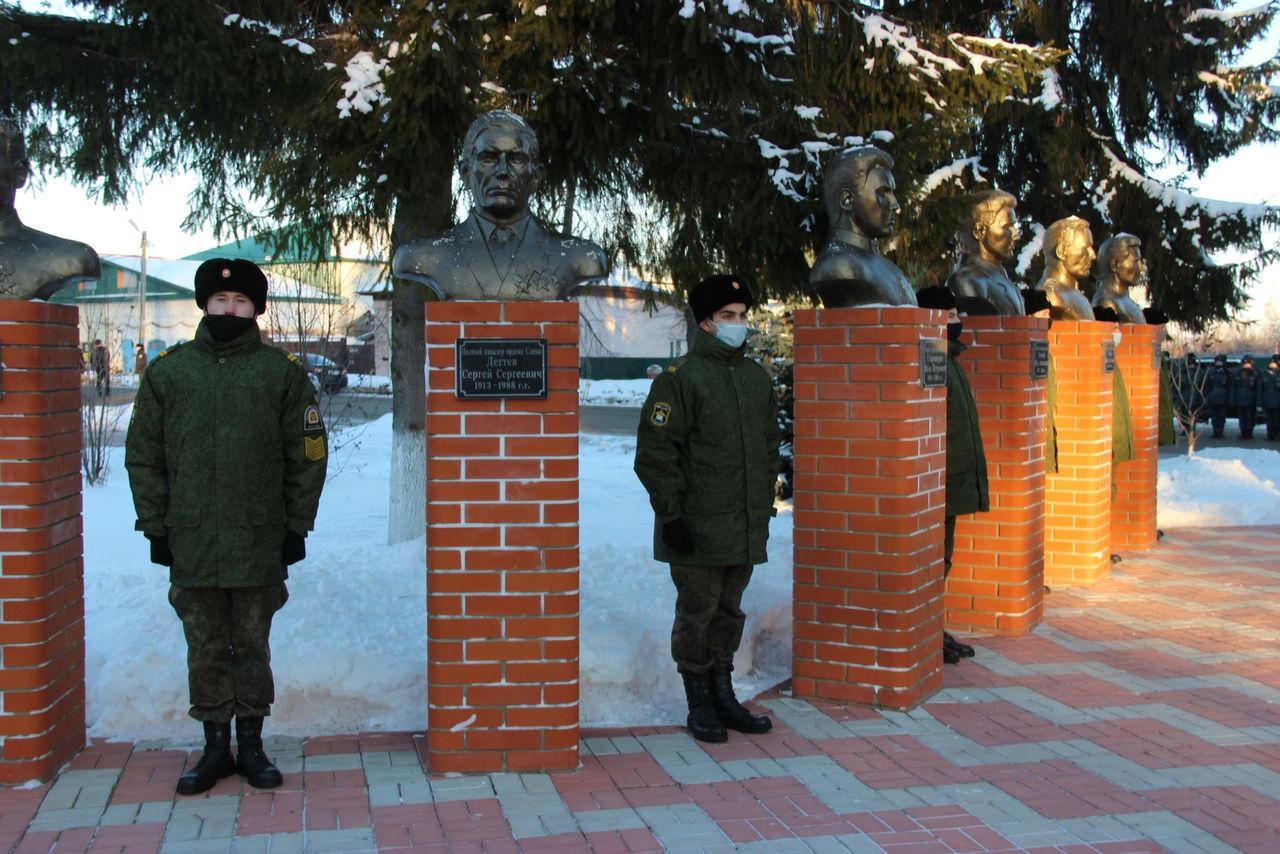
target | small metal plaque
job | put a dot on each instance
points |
(1, 372)
(1108, 357)
(501, 367)
(933, 362)
(1157, 355)
(1039, 360)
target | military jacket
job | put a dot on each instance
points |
(1245, 389)
(1269, 389)
(967, 486)
(226, 451)
(707, 452)
(1121, 420)
(1217, 391)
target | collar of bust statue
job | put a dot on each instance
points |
(855, 238)
(487, 227)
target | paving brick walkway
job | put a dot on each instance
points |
(1143, 715)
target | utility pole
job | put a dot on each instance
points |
(142, 289)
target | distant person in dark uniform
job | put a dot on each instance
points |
(1218, 394)
(101, 360)
(139, 361)
(1245, 397)
(1269, 398)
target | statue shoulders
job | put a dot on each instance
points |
(35, 265)
(845, 275)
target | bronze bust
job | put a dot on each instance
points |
(1120, 266)
(986, 245)
(33, 265)
(500, 252)
(860, 195)
(1068, 254)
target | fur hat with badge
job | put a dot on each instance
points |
(231, 274)
(715, 292)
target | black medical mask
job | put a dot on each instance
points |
(954, 330)
(227, 327)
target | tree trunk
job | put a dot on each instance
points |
(415, 218)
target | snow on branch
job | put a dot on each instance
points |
(1180, 200)
(950, 172)
(363, 89)
(1227, 16)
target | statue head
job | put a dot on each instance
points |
(859, 192)
(501, 165)
(1068, 243)
(1120, 261)
(14, 168)
(993, 229)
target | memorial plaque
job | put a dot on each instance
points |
(1039, 360)
(1108, 357)
(1157, 357)
(933, 362)
(501, 367)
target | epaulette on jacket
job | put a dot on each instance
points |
(676, 365)
(167, 350)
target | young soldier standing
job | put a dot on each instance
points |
(707, 453)
(966, 481)
(226, 457)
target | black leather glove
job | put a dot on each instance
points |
(677, 536)
(294, 548)
(160, 552)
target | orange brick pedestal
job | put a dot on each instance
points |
(869, 467)
(41, 571)
(1133, 506)
(1077, 535)
(997, 573)
(502, 550)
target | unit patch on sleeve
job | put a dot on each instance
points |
(661, 414)
(313, 447)
(311, 421)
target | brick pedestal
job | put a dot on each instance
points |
(1133, 506)
(996, 584)
(1077, 536)
(42, 721)
(869, 468)
(502, 551)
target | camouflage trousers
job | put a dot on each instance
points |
(228, 649)
(708, 624)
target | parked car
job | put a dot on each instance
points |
(326, 375)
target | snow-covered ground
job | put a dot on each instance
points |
(349, 648)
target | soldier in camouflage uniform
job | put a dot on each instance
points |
(707, 453)
(226, 455)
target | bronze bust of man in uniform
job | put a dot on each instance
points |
(1068, 255)
(860, 195)
(1120, 266)
(980, 283)
(33, 265)
(499, 252)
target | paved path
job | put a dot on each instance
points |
(1143, 715)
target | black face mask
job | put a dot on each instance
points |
(227, 327)
(954, 330)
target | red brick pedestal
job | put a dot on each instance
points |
(41, 570)
(502, 551)
(1133, 506)
(1077, 535)
(869, 468)
(997, 572)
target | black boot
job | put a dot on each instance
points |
(215, 764)
(251, 762)
(727, 708)
(963, 649)
(702, 722)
